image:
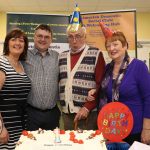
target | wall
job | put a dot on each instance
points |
(143, 36)
(143, 23)
(143, 31)
(2, 30)
(2, 26)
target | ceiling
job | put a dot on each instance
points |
(67, 6)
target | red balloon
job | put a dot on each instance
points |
(115, 121)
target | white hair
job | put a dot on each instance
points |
(82, 28)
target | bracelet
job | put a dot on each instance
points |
(145, 129)
(1, 125)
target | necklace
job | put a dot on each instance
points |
(16, 65)
(13, 62)
(115, 76)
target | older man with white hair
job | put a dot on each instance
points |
(81, 69)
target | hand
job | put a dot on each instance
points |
(90, 95)
(4, 136)
(82, 114)
(145, 136)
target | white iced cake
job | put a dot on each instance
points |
(62, 140)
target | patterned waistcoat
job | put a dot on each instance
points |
(74, 84)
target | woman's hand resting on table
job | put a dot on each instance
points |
(145, 136)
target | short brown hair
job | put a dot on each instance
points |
(117, 36)
(16, 33)
(44, 27)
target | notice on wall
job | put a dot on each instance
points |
(28, 23)
(124, 21)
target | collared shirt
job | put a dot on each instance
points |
(43, 72)
(78, 51)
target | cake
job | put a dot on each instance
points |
(63, 140)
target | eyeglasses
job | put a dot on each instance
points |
(76, 37)
(40, 37)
